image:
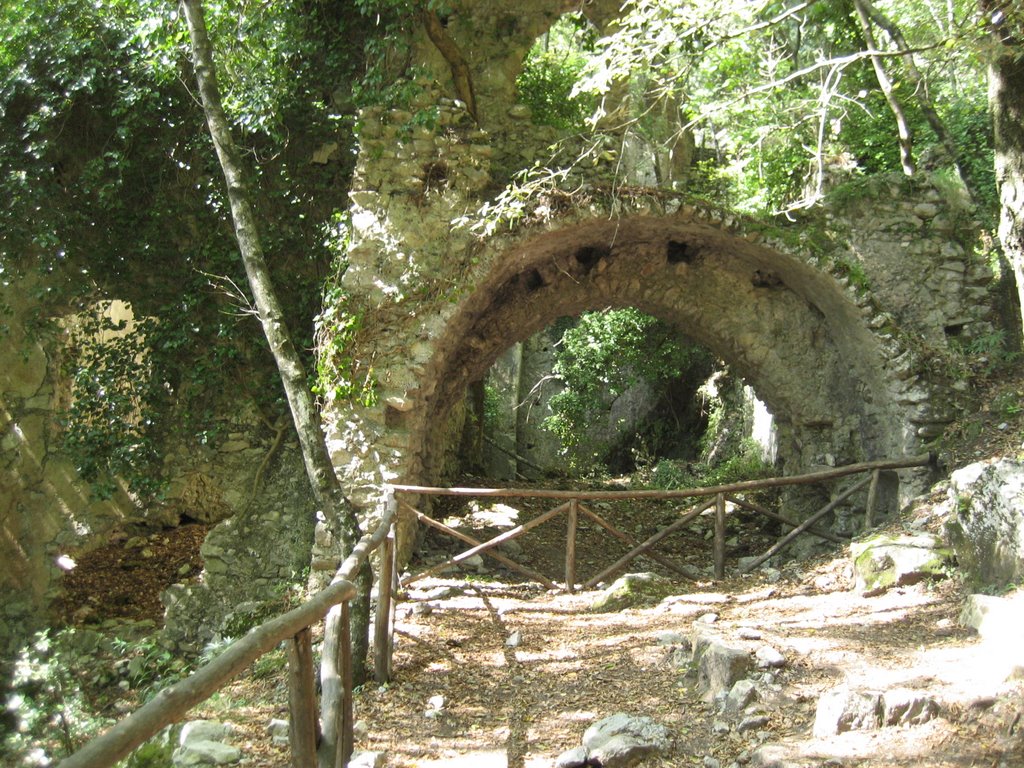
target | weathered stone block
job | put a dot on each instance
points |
(842, 709)
(885, 561)
(987, 527)
(720, 667)
(632, 590)
(905, 707)
(622, 740)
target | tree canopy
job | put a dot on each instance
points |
(112, 190)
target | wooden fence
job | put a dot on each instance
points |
(716, 497)
(295, 627)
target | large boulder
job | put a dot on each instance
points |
(885, 561)
(986, 528)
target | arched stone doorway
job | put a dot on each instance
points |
(820, 315)
(785, 326)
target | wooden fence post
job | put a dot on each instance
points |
(869, 509)
(304, 725)
(570, 546)
(344, 722)
(720, 536)
(383, 620)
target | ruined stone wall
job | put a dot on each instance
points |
(250, 476)
(45, 509)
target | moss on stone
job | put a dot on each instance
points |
(633, 590)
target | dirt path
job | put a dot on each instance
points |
(490, 673)
(522, 706)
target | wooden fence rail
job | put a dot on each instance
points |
(293, 627)
(573, 507)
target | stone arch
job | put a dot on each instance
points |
(786, 326)
(840, 327)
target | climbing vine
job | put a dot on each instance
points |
(340, 374)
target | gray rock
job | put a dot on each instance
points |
(740, 696)
(776, 756)
(440, 593)
(473, 563)
(720, 667)
(514, 640)
(622, 740)
(669, 637)
(842, 709)
(279, 731)
(368, 760)
(203, 730)
(905, 707)
(679, 657)
(512, 548)
(422, 609)
(768, 657)
(752, 723)
(632, 590)
(199, 752)
(885, 561)
(572, 758)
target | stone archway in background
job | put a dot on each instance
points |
(785, 327)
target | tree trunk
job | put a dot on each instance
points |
(920, 91)
(461, 76)
(324, 481)
(885, 83)
(1006, 101)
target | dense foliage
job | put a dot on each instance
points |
(113, 193)
(782, 99)
(599, 359)
(550, 73)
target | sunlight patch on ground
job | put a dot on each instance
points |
(487, 759)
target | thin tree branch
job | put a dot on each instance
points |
(920, 90)
(885, 83)
(456, 61)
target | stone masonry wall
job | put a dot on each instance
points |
(250, 476)
(823, 316)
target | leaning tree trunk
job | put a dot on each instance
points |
(1006, 102)
(324, 481)
(889, 91)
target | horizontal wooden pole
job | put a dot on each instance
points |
(746, 485)
(507, 562)
(171, 704)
